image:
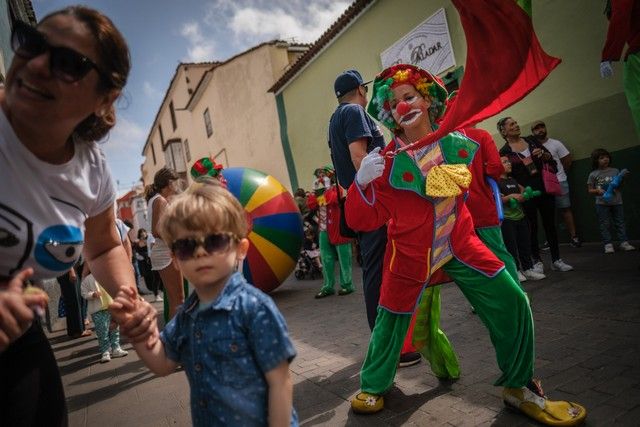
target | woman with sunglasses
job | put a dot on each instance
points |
(57, 195)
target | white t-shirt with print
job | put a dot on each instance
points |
(43, 206)
(558, 151)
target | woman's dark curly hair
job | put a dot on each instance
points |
(113, 59)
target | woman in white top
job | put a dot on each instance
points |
(164, 186)
(56, 194)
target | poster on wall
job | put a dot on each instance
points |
(428, 46)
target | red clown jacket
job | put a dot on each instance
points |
(486, 162)
(410, 228)
(333, 217)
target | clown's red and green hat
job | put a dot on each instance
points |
(328, 171)
(426, 83)
(206, 166)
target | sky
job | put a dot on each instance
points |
(163, 33)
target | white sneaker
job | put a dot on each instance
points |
(531, 274)
(560, 265)
(119, 352)
(626, 246)
(608, 248)
(159, 298)
(538, 267)
(521, 277)
(106, 357)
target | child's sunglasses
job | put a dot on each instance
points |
(65, 64)
(184, 249)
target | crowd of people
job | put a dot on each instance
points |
(418, 212)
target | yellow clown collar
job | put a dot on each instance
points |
(447, 180)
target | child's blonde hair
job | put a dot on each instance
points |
(206, 206)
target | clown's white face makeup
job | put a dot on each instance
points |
(409, 108)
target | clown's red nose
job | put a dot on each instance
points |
(402, 108)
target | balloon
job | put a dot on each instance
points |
(275, 226)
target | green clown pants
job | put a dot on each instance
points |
(499, 303)
(328, 255)
(492, 238)
(631, 81)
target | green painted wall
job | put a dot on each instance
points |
(580, 108)
(309, 99)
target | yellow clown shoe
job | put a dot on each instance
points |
(543, 410)
(366, 403)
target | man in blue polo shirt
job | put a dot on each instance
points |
(353, 134)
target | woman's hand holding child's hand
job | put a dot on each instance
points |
(136, 317)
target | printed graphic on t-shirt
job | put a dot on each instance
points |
(603, 182)
(16, 236)
(511, 188)
(56, 248)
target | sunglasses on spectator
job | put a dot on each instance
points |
(184, 249)
(64, 63)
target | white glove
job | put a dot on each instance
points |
(371, 167)
(606, 70)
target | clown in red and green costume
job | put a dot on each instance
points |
(419, 194)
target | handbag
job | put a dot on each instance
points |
(550, 181)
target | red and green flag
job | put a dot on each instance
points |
(504, 62)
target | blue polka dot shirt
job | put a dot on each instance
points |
(226, 348)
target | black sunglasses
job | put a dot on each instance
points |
(184, 249)
(66, 64)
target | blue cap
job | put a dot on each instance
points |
(347, 81)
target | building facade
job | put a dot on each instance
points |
(172, 126)
(11, 11)
(222, 110)
(579, 108)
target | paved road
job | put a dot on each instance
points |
(587, 342)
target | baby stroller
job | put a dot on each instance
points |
(309, 262)
(306, 267)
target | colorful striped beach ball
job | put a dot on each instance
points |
(275, 226)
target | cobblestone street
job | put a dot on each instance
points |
(587, 346)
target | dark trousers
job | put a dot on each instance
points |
(372, 247)
(546, 205)
(518, 242)
(72, 305)
(151, 278)
(31, 392)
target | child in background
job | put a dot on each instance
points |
(515, 228)
(98, 301)
(229, 336)
(599, 179)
